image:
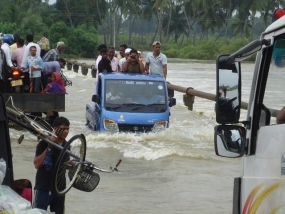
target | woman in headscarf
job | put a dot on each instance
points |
(56, 85)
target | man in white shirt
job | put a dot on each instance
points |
(156, 62)
(7, 64)
(30, 39)
(6, 48)
(112, 95)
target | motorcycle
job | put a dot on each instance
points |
(18, 80)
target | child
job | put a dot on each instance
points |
(56, 85)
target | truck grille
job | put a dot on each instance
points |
(134, 128)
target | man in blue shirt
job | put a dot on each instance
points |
(54, 66)
(50, 67)
(35, 65)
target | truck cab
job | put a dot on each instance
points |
(130, 103)
(258, 139)
(16, 195)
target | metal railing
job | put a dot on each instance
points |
(189, 93)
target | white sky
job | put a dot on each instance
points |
(52, 1)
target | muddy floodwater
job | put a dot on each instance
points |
(174, 171)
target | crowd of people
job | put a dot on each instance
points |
(36, 61)
(130, 60)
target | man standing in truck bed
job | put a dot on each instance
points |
(156, 62)
(6, 63)
(53, 55)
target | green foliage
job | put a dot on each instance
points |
(7, 27)
(205, 50)
(233, 45)
(83, 40)
(33, 25)
(192, 29)
(58, 31)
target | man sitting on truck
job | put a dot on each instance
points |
(134, 63)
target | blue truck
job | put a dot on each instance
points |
(130, 103)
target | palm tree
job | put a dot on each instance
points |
(246, 10)
(176, 25)
(160, 6)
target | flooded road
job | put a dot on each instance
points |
(175, 171)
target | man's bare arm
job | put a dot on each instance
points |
(38, 160)
(281, 116)
(146, 67)
(165, 71)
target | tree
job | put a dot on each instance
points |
(83, 39)
(176, 25)
(160, 6)
(77, 12)
(58, 31)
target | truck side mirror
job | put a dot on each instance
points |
(228, 91)
(96, 99)
(230, 141)
(170, 91)
(172, 101)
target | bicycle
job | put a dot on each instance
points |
(71, 168)
(66, 81)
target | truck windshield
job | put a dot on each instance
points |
(135, 95)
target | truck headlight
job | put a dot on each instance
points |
(160, 126)
(111, 125)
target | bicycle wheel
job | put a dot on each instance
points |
(73, 152)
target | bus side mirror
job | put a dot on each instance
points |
(96, 99)
(228, 91)
(230, 141)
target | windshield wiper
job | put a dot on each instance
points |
(146, 105)
(126, 104)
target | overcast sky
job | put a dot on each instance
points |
(52, 1)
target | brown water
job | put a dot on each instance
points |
(175, 171)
